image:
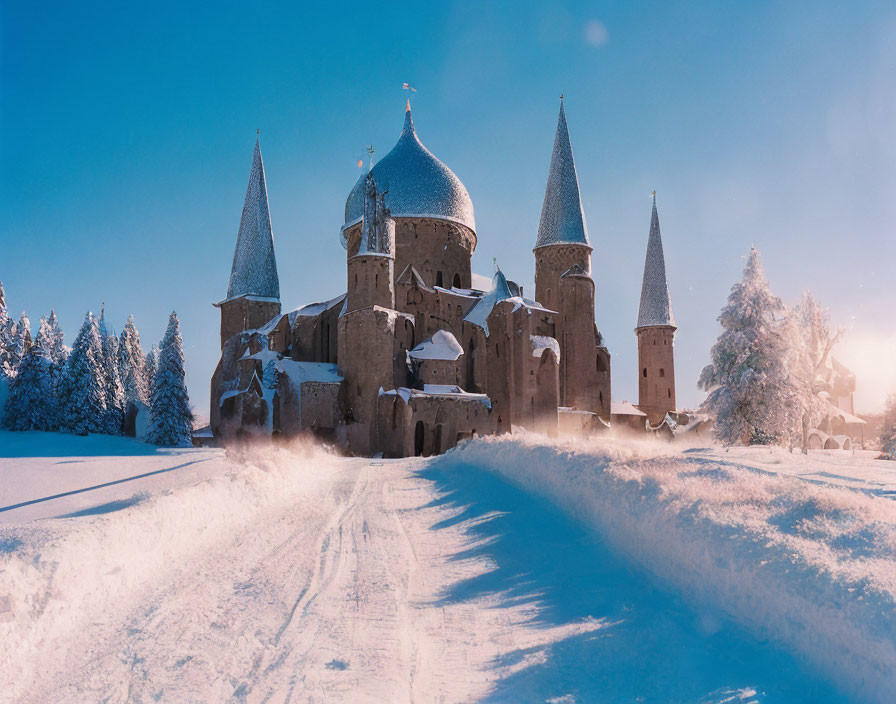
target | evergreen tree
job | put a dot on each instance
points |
(7, 328)
(132, 364)
(32, 403)
(111, 378)
(152, 366)
(82, 388)
(171, 420)
(21, 341)
(751, 395)
(58, 351)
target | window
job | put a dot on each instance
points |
(662, 373)
(438, 278)
(645, 372)
(669, 391)
(456, 282)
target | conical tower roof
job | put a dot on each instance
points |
(416, 183)
(254, 271)
(562, 215)
(656, 304)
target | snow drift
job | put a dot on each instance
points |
(809, 566)
(54, 576)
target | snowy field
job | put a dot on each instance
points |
(509, 570)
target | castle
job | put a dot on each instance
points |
(418, 353)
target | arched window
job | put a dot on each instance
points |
(662, 372)
(456, 282)
(669, 392)
(645, 372)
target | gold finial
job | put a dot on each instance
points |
(654, 194)
(407, 107)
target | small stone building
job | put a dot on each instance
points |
(413, 358)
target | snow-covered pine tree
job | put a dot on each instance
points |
(751, 395)
(58, 351)
(171, 420)
(32, 402)
(112, 379)
(132, 364)
(7, 327)
(152, 366)
(82, 388)
(21, 341)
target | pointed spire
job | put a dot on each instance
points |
(562, 215)
(656, 304)
(254, 271)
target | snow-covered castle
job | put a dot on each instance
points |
(418, 354)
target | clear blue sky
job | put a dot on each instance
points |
(126, 135)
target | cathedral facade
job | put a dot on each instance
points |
(417, 355)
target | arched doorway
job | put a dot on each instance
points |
(419, 431)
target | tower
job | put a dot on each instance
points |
(563, 282)
(562, 241)
(253, 294)
(367, 338)
(655, 331)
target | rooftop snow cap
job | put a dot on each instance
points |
(562, 215)
(656, 304)
(254, 271)
(416, 183)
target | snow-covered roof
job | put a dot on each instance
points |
(311, 310)
(540, 343)
(847, 417)
(500, 291)
(299, 372)
(562, 216)
(656, 304)
(624, 409)
(436, 390)
(254, 270)
(417, 184)
(480, 282)
(442, 345)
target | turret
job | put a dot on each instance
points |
(562, 241)
(655, 331)
(253, 293)
(371, 268)
(367, 339)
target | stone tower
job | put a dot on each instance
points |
(253, 294)
(367, 342)
(563, 283)
(656, 332)
(562, 241)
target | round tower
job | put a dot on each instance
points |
(656, 332)
(435, 229)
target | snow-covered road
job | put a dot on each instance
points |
(289, 575)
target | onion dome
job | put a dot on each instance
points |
(656, 303)
(416, 183)
(254, 271)
(562, 215)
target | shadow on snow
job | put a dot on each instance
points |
(653, 648)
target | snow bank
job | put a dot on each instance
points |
(811, 567)
(53, 574)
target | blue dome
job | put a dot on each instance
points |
(418, 185)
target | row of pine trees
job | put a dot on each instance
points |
(89, 387)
